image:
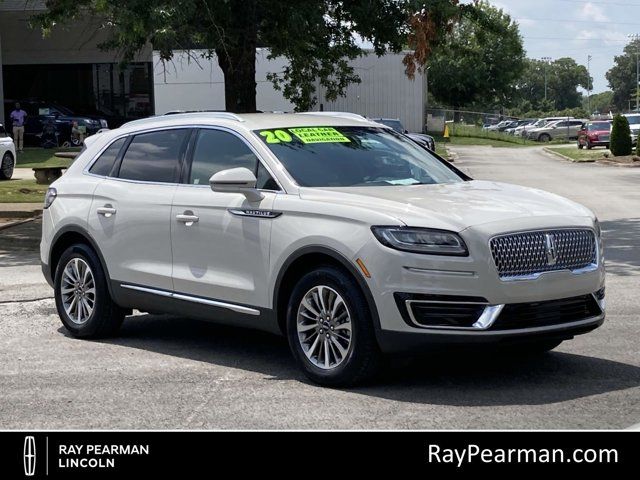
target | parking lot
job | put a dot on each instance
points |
(176, 373)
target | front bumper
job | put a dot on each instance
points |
(451, 278)
(396, 342)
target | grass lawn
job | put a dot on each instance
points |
(42, 157)
(441, 150)
(21, 191)
(578, 155)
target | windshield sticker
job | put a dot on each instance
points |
(318, 135)
(275, 136)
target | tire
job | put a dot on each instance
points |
(589, 146)
(353, 353)
(104, 317)
(6, 166)
(545, 137)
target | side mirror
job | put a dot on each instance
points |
(236, 180)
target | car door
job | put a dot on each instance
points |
(130, 213)
(221, 240)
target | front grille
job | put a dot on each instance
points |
(543, 314)
(529, 253)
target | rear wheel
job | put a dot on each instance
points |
(330, 329)
(6, 166)
(82, 296)
(545, 137)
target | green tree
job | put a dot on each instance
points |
(600, 102)
(317, 37)
(564, 76)
(622, 76)
(620, 141)
(479, 62)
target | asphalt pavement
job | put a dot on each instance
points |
(177, 373)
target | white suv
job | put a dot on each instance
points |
(338, 232)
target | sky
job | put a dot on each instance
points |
(576, 28)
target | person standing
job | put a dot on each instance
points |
(18, 119)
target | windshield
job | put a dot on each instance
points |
(592, 127)
(353, 156)
(633, 119)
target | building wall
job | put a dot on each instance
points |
(191, 82)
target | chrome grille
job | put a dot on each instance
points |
(529, 253)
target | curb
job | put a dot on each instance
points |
(611, 163)
(19, 222)
(20, 213)
(564, 157)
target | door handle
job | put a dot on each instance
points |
(188, 218)
(107, 210)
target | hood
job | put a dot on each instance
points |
(452, 206)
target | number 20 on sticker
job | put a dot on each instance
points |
(275, 136)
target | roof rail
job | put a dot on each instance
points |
(176, 113)
(353, 116)
(213, 113)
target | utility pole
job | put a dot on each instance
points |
(546, 61)
(636, 38)
(589, 84)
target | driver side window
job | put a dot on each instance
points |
(217, 150)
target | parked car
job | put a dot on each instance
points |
(634, 125)
(394, 123)
(567, 129)
(423, 140)
(500, 125)
(7, 155)
(539, 123)
(345, 237)
(520, 123)
(41, 114)
(594, 134)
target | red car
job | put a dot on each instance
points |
(594, 134)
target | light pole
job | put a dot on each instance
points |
(634, 38)
(546, 61)
(589, 84)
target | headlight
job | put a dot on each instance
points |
(421, 240)
(596, 225)
(49, 197)
(104, 124)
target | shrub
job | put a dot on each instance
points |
(638, 147)
(620, 137)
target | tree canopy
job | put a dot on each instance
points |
(622, 76)
(317, 37)
(481, 60)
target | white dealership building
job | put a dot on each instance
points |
(69, 68)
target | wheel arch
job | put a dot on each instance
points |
(68, 236)
(301, 261)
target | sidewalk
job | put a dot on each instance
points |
(19, 210)
(20, 173)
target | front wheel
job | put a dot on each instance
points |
(6, 166)
(82, 296)
(330, 329)
(544, 138)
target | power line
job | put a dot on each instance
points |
(604, 22)
(618, 4)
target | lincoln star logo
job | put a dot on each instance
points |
(29, 456)
(552, 251)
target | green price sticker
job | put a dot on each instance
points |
(275, 136)
(318, 135)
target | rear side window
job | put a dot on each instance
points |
(216, 150)
(154, 157)
(103, 165)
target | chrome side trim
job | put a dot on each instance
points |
(251, 212)
(485, 321)
(189, 298)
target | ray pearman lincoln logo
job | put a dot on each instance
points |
(95, 456)
(29, 456)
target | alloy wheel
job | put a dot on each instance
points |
(78, 290)
(324, 327)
